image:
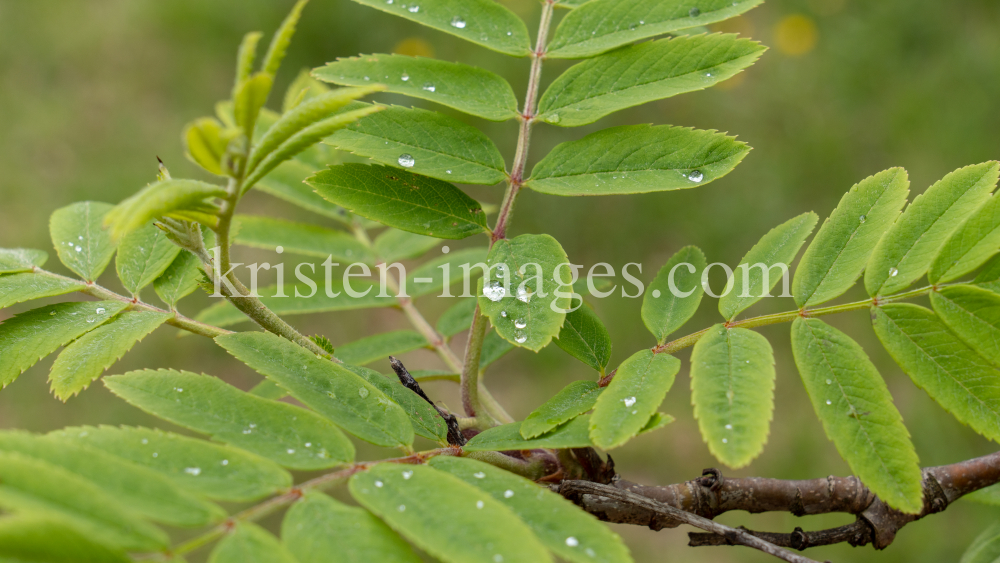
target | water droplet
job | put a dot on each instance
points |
(523, 295)
(402, 507)
(80, 237)
(521, 339)
(694, 12)
(708, 75)
(696, 176)
(406, 161)
(508, 493)
(362, 392)
(503, 314)
(156, 454)
(448, 171)
(479, 504)
(729, 427)
(78, 249)
(862, 219)
(572, 542)
(494, 292)
(656, 293)
(829, 402)
(378, 484)
(413, 10)
(389, 2)
(642, 22)
(893, 272)
(829, 382)
(520, 323)
(405, 77)
(725, 440)
(196, 471)
(429, 87)
(144, 441)
(179, 389)
(479, 475)
(290, 451)
(633, 26)
(367, 79)
(100, 310)
(225, 462)
(590, 552)
(629, 401)
(308, 444)
(458, 22)
(509, 33)
(554, 118)
(498, 558)
(407, 475)
(91, 320)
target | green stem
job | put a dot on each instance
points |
(470, 371)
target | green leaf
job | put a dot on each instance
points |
(403, 200)
(225, 314)
(138, 488)
(973, 314)
(245, 57)
(80, 225)
(34, 486)
(38, 538)
(602, 25)
(251, 95)
(304, 139)
(180, 279)
(560, 525)
(18, 288)
(319, 529)
(211, 470)
(665, 308)
(732, 390)
(457, 318)
(302, 89)
(393, 245)
(779, 246)
(575, 399)
(835, 258)
(585, 337)
(573, 434)
(287, 182)
(526, 303)
(426, 142)
(380, 347)
(494, 348)
(429, 277)
(985, 548)
(483, 22)
(14, 260)
(249, 543)
(958, 378)
(143, 255)
(911, 243)
(422, 375)
(634, 159)
(300, 238)
(277, 431)
(970, 246)
(441, 515)
(466, 88)
(27, 338)
(92, 354)
(657, 421)
(632, 397)
(282, 38)
(304, 115)
(327, 388)
(642, 73)
(989, 496)
(851, 400)
(159, 199)
(424, 417)
(205, 144)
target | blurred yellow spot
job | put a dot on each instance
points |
(414, 47)
(795, 35)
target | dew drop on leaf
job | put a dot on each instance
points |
(195, 471)
(696, 176)
(407, 475)
(479, 504)
(862, 219)
(893, 272)
(406, 161)
(572, 542)
(378, 484)
(629, 401)
(494, 292)
(100, 310)
(402, 507)
(362, 392)
(508, 493)
(554, 118)
(520, 323)
(829, 402)
(405, 77)
(479, 475)
(521, 339)
(414, 9)
(458, 22)
(694, 12)
(429, 87)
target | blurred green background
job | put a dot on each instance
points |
(94, 91)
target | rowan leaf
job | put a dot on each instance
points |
(732, 390)
(457, 318)
(466, 88)
(208, 469)
(494, 348)
(560, 525)
(18, 288)
(985, 548)
(585, 337)
(249, 543)
(282, 38)
(380, 347)
(973, 314)
(643, 73)
(392, 245)
(425, 142)
(444, 516)
(157, 200)
(603, 25)
(300, 238)
(851, 400)
(205, 143)
(778, 247)
(249, 98)
(80, 226)
(45, 538)
(526, 297)
(319, 529)
(632, 397)
(633, 159)
(430, 276)
(954, 375)
(180, 279)
(906, 251)
(575, 399)
(328, 388)
(402, 200)
(969, 246)
(15, 260)
(667, 306)
(289, 435)
(426, 420)
(143, 255)
(287, 182)
(27, 338)
(838, 253)
(483, 22)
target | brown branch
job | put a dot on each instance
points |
(712, 495)
(740, 537)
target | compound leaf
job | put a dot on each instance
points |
(180, 279)
(575, 399)
(973, 314)
(835, 258)
(675, 293)
(585, 337)
(851, 400)
(289, 435)
(18, 288)
(573, 434)
(80, 239)
(633, 159)
(143, 255)
(632, 397)
(159, 199)
(970, 246)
